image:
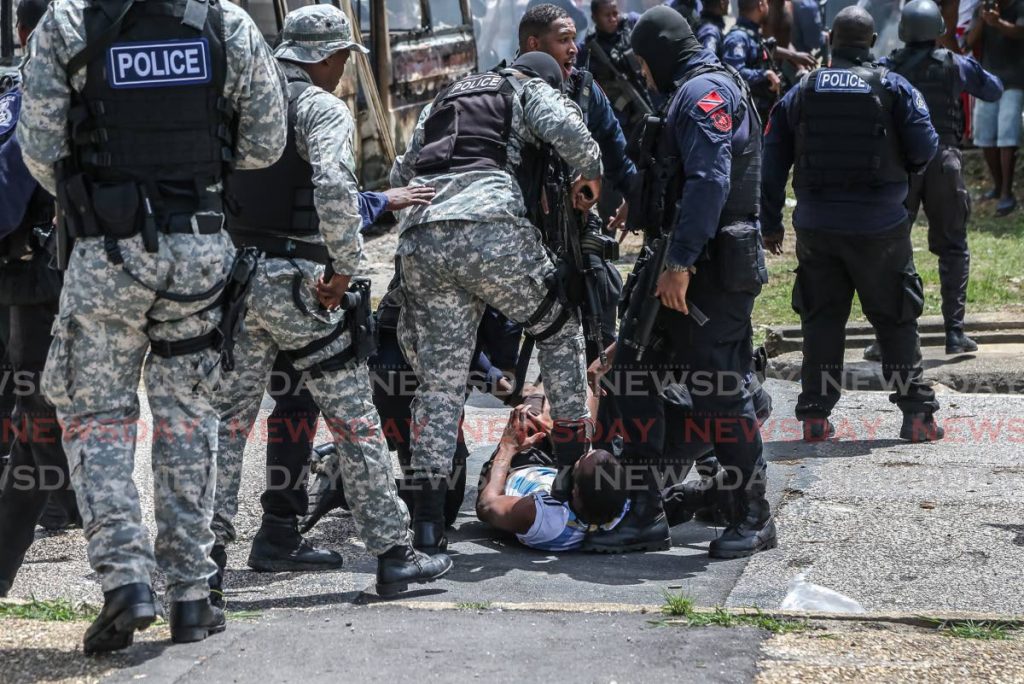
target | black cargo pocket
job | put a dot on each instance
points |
(116, 206)
(739, 259)
(913, 298)
(442, 129)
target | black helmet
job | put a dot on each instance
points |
(921, 21)
(543, 65)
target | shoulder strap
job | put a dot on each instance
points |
(115, 11)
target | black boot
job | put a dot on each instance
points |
(959, 343)
(873, 352)
(218, 555)
(644, 527)
(921, 427)
(751, 527)
(570, 440)
(456, 493)
(193, 621)
(125, 610)
(58, 516)
(818, 430)
(706, 490)
(429, 494)
(327, 493)
(278, 547)
(400, 566)
(5, 587)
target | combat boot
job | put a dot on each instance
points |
(278, 547)
(751, 527)
(57, 517)
(643, 528)
(428, 521)
(873, 352)
(921, 427)
(959, 343)
(705, 491)
(193, 621)
(400, 566)
(125, 610)
(218, 555)
(570, 440)
(818, 430)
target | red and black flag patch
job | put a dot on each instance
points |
(710, 102)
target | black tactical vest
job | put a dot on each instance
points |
(152, 109)
(277, 200)
(469, 125)
(846, 137)
(664, 175)
(935, 74)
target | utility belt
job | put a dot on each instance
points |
(275, 246)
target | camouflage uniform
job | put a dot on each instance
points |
(107, 319)
(471, 247)
(324, 132)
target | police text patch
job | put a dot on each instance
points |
(481, 83)
(10, 105)
(840, 81)
(160, 64)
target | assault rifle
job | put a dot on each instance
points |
(581, 247)
(632, 83)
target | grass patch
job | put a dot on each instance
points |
(678, 605)
(59, 610)
(474, 605)
(975, 629)
(243, 614)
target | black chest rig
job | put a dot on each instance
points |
(935, 74)
(278, 200)
(846, 137)
(661, 167)
(150, 130)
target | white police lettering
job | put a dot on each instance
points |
(840, 81)
(158, 65)
(481, 83)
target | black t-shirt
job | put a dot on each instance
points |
(1002, 55)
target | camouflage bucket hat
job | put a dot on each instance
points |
(313, 33)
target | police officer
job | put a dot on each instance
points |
(942, 77)
(710, 30)
(605, 51)
(745, 49)
(702, 191)
(31, 288)
(870, 129)
(474, 246)
(133, 115)
(303, 214)
(687, 9)
(291, 426)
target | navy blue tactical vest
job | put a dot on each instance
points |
(846, 137)
(934, 72)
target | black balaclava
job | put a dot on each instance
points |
(542, 65)
(665, 41)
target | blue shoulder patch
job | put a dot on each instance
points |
(840, 81)
(159, 64)
(10, 108)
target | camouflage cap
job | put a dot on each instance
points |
(314, 33)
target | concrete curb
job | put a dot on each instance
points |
(912, 619)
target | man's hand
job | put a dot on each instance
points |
(617, 222)
(774, 82)
(671, 289)
(400, 198)
(597, 370)
(522, 431)
(585, 193)
(330, 294)
(773, 243)
(990, 17)
(803, 60)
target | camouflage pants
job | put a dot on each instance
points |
(450, 272)
(276, 322)
(101, 336)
